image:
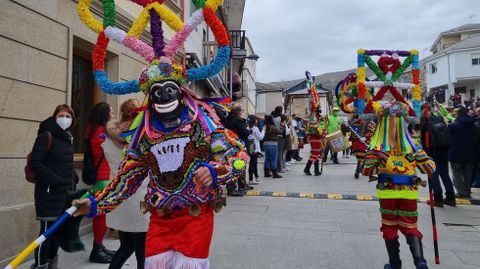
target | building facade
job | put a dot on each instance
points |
(46, 61)
(454, 66)
(267, 98)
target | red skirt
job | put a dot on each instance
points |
(181, 232)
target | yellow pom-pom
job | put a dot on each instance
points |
(376, 106)
(414, 52)
(361, 51)
(239, 164)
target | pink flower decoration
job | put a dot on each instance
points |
(140, 47)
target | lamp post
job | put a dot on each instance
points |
(252, 56)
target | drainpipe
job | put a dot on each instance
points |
(450, 91)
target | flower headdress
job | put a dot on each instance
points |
(159, 55)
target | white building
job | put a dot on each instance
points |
(454, 66)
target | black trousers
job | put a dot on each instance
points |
(48, 249)
(253, 168)
(129, 243)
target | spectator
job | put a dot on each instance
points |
(256, 136)
(476, 171)
(461, 152)
(52, 163)
(270, 146)
(238, 125)
(300, 129)
(96, 133)
(437, 148)
(127, 219)
(334, 124)
(477, 102)
(291, 144)
(280, 123)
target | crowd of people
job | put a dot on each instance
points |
(277, 138)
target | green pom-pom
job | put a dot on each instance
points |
(239, 164)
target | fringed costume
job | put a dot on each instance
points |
(393, 157)
(176, 140)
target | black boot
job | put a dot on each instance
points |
(450, 199)
(316, 166)
(357, 171)
(53, 263)
(307, 168)
(393, 249)
(98, 255)
(417, 252)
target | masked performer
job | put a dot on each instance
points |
(176, 139)
(393, 156)
(365, 129)
(317, 130)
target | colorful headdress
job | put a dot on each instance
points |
(356, 95)
(160, 55)
(391, 135)
(314, 97)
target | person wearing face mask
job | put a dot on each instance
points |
(52, 163)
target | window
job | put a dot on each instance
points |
(476, 59)
(433, 68)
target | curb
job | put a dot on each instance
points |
(338, 196)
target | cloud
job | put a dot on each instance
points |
(323, 36)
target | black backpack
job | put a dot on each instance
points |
(438, 130)
(90, 170)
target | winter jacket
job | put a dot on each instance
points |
(257, 136)
(462, 132)
(238, 125)
(272, 133)
(96, 141)
(53, 169)
(477, 137)
(435, 149)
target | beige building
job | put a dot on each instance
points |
(45, 61)
(296, 100)
(268, 97)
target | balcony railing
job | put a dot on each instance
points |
(238, 39)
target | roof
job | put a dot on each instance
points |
(301, 89)
(457, 30)
(468, 43)
(464, 28)
(263, 87)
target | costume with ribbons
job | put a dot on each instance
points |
(175, 134)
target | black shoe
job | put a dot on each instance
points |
(436, 203)
(461, 196)
(248, 187)
(236, 193)
(356, 175)
(450, 202)
(335, 162)
(99, 256)
(108, 251)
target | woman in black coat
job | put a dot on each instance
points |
(52, 163)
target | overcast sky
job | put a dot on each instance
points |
(321, 36)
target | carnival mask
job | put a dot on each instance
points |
(165, 99)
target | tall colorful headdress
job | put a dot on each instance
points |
(391, 134)
(159, 55)
(314, 97)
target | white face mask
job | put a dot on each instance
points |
(64, 122)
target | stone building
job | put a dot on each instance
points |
(46, 52)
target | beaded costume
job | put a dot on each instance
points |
(175, 135)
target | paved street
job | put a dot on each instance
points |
(278, 232)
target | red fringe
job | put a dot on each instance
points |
(217, 27)
(98, 56)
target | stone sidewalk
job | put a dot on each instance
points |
(278, 232)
